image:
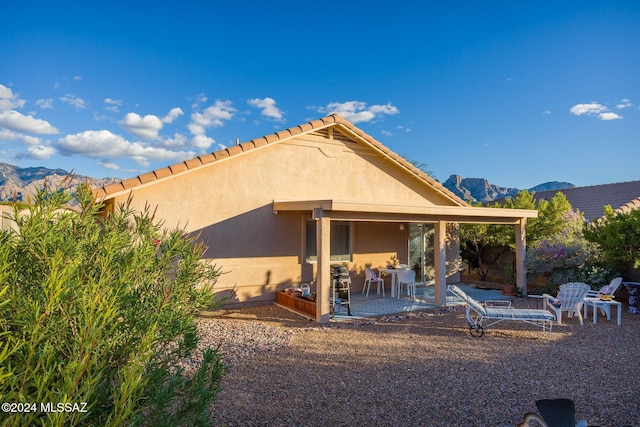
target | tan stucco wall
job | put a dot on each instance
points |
(229, 204)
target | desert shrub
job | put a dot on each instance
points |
(568, 257)
(101, 311)
(618, 235)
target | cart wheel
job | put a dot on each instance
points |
(476, 331)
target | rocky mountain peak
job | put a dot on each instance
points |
(480, 190)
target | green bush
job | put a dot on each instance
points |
(618, 235)
(100, 311)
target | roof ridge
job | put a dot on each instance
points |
(593, 185)
(204, 159)
(629, 206)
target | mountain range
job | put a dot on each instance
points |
(480, 190)
(19, 183)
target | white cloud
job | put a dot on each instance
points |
(45, 103)
(104, 144)
(199, 100)
(624, 103)
(144, 127)
(113, 105)
(406, 129)
(9, 100)
(589, 109)
(202, 141)
(77, 77)
(178, 140)
(609, 116)
(40, 152)
(107, 164)
(19, 122)
(357, 111)
(268, 106)
(596, 110)
(546, 112)
(213, 116)
(74, 101)
(172, 115)
(7, 135)
(387, 133)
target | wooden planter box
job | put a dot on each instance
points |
(299, 305)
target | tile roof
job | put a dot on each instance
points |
(332, 120)
(591, 200)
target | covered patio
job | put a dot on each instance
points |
(324, 212)
(375, 305)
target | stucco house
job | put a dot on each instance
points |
(281, 209)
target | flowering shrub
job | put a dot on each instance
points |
(568, 257)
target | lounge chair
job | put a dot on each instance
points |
(499, 311)
(570, 299)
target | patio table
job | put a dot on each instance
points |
(393, 272)
(595, 302)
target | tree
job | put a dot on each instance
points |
(481, 245)
(423, 167)
(563, 254)
(484, 244)
(618, 235)
(102, 312)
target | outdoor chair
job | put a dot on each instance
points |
(553, 413)
(370, 276)
(609, 289)
(499, 311)
(408, 279)
(570, 299)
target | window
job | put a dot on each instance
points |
(340, 241)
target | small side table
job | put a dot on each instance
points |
(538, 298)
(596, 302)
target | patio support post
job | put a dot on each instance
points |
(440, 255)
(521, 240)
(323, 275)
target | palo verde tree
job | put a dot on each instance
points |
(98, 313)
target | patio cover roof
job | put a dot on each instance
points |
(323, 211)
(355, 211)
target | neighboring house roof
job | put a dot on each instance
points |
(591, 200)
(336, 121)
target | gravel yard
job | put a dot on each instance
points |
(418, 369)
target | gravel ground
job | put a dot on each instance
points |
(418, 369)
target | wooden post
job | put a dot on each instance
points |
(521, 244)
(323, 280)
(440, 261)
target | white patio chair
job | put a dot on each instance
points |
(370, 276)
(407, 278)
(609, 289)
(570, 299)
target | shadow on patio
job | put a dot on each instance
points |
(377, 305)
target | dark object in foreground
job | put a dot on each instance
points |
(554, 413)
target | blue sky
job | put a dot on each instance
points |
(516, 92)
